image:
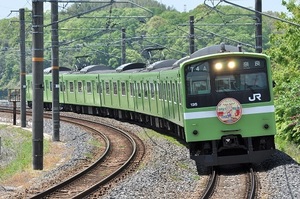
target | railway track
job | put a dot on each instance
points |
(216, 188)
(122, 155)
(245, 179)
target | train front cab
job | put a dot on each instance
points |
(229, 115)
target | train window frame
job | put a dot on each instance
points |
(152, 90)
(145, 90)
(107, 88)
(164, 95)
(71, 87)
(169, 92)
(79, 87)
(99, 87)
(138, 90)
(89, 87)
(115, 88)
(242, 82)
(174, 91)
(160, 89)
(179, 93)
(132, 89)
(123, 88)
(235, 75)
(50, 86)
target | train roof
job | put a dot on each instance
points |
(61, 70)
(131, 67)
(215, 49)
(98, 68)
(161, 64)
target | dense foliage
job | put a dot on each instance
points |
(286, 58)
(95, 37)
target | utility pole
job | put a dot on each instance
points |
(55, 70)
(192, 35)
(258, 32)
(38, 83)
(22, 67)
(123, 44)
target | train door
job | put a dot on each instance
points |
(83, 92)
(157, 97)
(146, 101)
(76, 92)
(175, 102)
(167, 101)
(124, 98)
(115, 98)
(62, 89)
(99, 92)
(89, 97)
(107, 93)
(72, 93)
(79, 92)
(132, 96)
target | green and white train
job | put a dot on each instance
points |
(220, 102)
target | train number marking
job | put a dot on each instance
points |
(194, 104)
(254, 97)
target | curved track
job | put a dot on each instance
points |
(121, 151)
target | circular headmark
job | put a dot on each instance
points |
(229, 110)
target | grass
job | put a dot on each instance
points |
(20, 141)
(151, 133)
(288, 148)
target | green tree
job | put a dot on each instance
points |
(285, 56)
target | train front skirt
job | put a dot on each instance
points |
(232, 149)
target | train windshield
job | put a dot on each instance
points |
(240, 82)
(209, 81)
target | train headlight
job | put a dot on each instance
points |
(231, 65)
(218, 66)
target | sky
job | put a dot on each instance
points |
(6, 6)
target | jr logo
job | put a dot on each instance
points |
(254, 97)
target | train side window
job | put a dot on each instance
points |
(164, 95)
(115, 88)
(71, 84)
(79, 84)
(132, 89)
(160, 88)
(139, 90)
(50, 86)
(179, 92)
(123, 86)
(98, 87)
(174, 92)
(152, 92)
(145, 90)
(88, 87)
(107, 87)
(169, 98)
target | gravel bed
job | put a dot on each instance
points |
(169, 172)
(77, 147)
(279, 177)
